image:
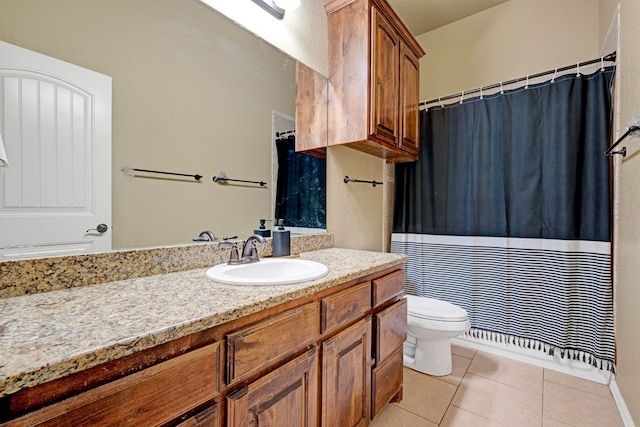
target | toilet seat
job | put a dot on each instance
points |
(433, 309)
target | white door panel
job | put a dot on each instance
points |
(55, 119)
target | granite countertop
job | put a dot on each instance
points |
(53, 334)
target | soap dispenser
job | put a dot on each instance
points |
(262, 230)
(281, 240)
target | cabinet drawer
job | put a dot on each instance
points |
(153, 396)
(255, 347)
(386, 381)
(387, 287)
(341, 308)
(391, 329)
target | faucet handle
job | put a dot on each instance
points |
(234, 258)
(253, 256)
(249, 250)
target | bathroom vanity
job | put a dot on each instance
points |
(180, 349)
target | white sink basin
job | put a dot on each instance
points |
(269, 271)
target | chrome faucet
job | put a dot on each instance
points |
(249, 252)
(206, 236)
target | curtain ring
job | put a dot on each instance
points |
(481, 97)
(501, 88)
(462, 97)
(602, 63)
(526, 84)
(440, 101)
(578, 67)
(555, 74)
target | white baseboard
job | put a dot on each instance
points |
(537, 358)
(620, 403)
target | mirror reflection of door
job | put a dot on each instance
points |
(55, 197)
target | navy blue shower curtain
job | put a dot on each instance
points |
(528, 163)
(507, 213)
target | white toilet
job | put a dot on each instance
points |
(431, 323)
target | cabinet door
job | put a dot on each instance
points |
(409, 100)
(346, 377)
(311, 111)
(384, 79)
(387, 382)
(391, 329)
(286, 397)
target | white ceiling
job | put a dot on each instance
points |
(421, 16)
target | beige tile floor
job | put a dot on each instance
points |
(485, 390)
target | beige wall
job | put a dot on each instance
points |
(607, 14)
(508, 41)
(302, 33)
(192, 93)
(355, 210)
(627, 245)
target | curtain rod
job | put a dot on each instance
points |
(607, 58)
(285, 133)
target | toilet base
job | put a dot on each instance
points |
(431, 357)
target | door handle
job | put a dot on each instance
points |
(101, 228)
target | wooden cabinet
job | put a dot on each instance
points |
(391, 329)
(330, 358)
(286, 397)
(390, 332)
(387, 287)
(409, 100)
(385, 81)
(153, 396)
(374, 76)
(254, 348)
(311, 111)
(346, 377)
(386, 382)
(343, 307)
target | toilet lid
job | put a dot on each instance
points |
(433, 309)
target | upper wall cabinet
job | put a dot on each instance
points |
(311, 111)
(373, 80)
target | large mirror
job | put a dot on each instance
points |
(192, 92)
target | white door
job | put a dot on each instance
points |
(55, 120)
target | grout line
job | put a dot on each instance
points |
(544, 385)
(466, 375)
